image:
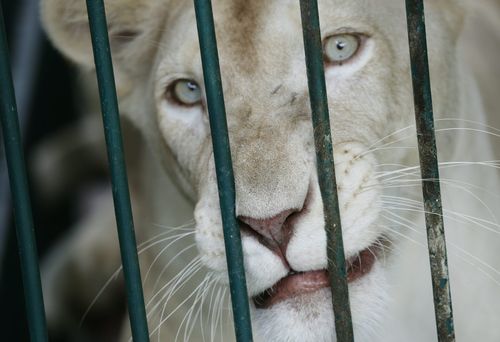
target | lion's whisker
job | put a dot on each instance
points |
(159, 254)
(188, 319)
(163, 320)
(454, 249)
(193, 266)
(172, 259)
(448, 214)
(479, 200)
(142, 247)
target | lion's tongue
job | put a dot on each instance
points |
(301, 283)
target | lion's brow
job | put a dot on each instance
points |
(241, 26)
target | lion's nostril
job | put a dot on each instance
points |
(276, 229)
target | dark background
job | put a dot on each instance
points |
(50, 109)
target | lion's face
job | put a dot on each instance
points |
(277, 195)
(278, 200)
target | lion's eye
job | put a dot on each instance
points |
(185, 92)
(340, 48)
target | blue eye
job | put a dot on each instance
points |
(340, 48)
(186, 92)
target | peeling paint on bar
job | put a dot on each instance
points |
(429, 170)
(20, 195)
(326, 170)
(224, 169)
(116, 161)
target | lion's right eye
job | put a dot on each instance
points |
(185, 92)
(341, 48)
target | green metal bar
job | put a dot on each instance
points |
(429, 170)
(326, 169)
(224, 169)
(20, 195)
(121, 196)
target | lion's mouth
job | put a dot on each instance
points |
(299, 283)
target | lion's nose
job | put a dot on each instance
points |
(275, 230)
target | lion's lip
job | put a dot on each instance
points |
(299, 283)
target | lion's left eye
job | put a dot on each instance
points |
(185, 92)
(339, 49)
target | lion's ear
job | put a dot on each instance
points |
(66, 23)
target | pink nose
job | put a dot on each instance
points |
(275, 230)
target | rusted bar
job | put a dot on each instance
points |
(326, 169)
(224, 169)
(429, 170)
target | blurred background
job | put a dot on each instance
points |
(47, 97)
(64, 150)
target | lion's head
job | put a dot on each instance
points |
(278, 202)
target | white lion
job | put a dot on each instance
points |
(160, 84)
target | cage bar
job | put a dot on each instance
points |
(224, 169)
(429, 170)
(20, 196)
(326, 169)
(116, 160)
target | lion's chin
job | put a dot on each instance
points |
(308, 316)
